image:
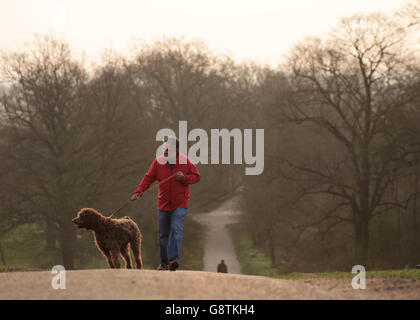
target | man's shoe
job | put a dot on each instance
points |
(163, 268)
(173, 265)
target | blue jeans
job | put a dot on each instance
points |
(171, 224)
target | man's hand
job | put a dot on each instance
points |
(135, 196)
(180, 176)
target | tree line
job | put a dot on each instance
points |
(341, 115)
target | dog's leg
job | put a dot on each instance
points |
(108, 257)
(136, 247)
(115, 257)
(125, 251)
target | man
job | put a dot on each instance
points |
(173, 199)
(222, 267)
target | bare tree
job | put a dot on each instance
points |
(410, 13)
(351, 86)
(178, 80)
(65, 134)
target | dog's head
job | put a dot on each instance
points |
(88, 218)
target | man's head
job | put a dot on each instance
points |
(170, 143)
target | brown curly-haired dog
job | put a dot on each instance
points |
(112, 236)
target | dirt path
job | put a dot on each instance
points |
(152, 285)
(376, 288)
(193, 285)
(198, 285)
(217, 242)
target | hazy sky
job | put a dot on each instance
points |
(261, 30)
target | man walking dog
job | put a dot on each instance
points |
(173, 199)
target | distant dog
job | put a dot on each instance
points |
(112, 236)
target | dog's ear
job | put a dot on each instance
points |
(85, 212)
(91, 218)
(81, 212)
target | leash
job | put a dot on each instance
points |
(126, 204)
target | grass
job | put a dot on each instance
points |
(192, 252)
(403, 274)
(17, 268)
(24, 249)
(254, 262)
(193, 260)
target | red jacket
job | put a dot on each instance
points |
(172, 193)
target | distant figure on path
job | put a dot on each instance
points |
(222, 267)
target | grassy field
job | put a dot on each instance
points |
(254, 262)
(192, 260)
(24, 249)
(403, 274)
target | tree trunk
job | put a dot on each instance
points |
(50, 234)
(3, 259)
(414, 245)
(67, 243)
(272, 250)
(255, 241)
(362, 241)
(362, 214)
